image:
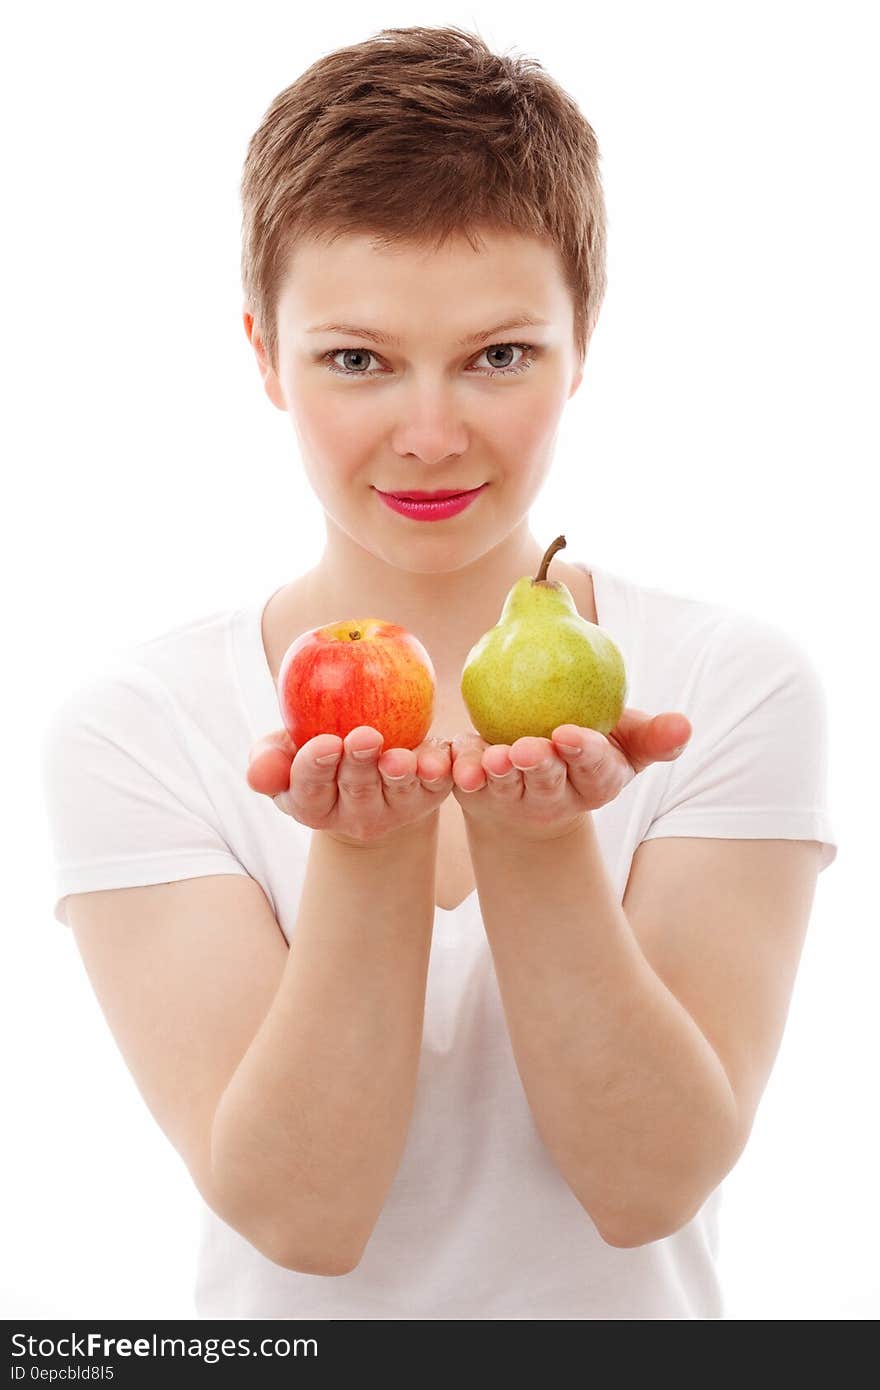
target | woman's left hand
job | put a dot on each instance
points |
(534, 788)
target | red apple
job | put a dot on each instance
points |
(357, 671)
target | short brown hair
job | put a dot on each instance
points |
(416, 135)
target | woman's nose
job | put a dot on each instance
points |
(429, 422)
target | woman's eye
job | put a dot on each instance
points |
(355, 360)
(501, 348)
(356, 353)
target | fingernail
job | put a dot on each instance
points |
(680, 749)
(499, 776)
(570, 749)
(363, 755)
(327, 759)
(394, 776)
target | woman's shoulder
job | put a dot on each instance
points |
(180, 670)
(653, 614)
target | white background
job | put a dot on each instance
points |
(723, 445)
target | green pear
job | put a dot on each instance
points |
(542, 665)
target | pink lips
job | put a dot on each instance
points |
(431, 506)
(439, 496)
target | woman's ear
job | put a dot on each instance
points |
(270, 379)
(579, 371)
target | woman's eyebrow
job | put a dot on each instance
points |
(524, 320)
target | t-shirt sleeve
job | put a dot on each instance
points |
(756, 766)
(125, 804)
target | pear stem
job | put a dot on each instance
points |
(551, 550)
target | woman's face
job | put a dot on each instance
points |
(423, 409)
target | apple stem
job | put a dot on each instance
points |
(551, 550)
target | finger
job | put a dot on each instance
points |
(640, 737)
(357, 776)
(312, 782)
(468, 775)
(398, 769)
(597, 766)
(467, 754)
(269, 763)
(578, 747)
(671, 732)
(543, 772)
(434, 758)
(646, 738)
(502, 776)
(397, 762)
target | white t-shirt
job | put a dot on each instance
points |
(144, 782)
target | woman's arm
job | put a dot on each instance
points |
(627, 1093)
(644, 1032)
(309, 1132)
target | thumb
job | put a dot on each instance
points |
(269, 763)
(671, 734)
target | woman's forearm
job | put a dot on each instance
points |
(626, 1091)
(310, 1130)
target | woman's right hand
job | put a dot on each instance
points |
(352, 799)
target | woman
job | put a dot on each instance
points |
(462, 1031)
